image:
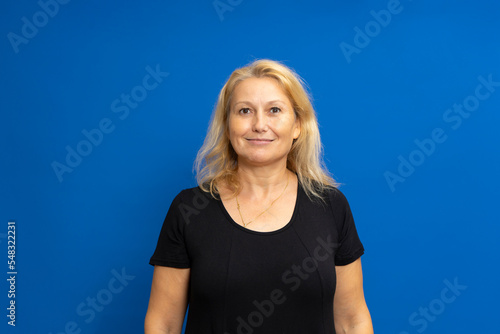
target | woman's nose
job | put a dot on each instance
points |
(260, 121)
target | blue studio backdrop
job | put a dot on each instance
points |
(105, 104)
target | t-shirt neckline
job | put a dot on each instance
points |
(281, 229)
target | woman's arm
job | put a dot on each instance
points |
(168, 301)
(350, 311)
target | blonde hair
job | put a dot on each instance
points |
(216, 162)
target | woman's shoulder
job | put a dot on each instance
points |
(336, 195)
(326, 196)
(322, 192)
(192, 195)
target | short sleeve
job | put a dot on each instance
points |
(350, 246)
(171, 247)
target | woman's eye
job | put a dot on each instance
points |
(244, 110)
(275, 110)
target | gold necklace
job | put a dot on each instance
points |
(260, 214)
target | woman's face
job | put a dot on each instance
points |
(262, 123)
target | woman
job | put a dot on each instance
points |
(266, 243)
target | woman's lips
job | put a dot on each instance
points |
(259, 141)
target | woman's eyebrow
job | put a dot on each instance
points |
(242, 102)
(250, 103)
(276, 101)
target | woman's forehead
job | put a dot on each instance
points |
(252, 90)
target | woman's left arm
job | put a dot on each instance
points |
(350, 311)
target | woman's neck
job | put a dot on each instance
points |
(262, 182)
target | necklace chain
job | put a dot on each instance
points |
(260, 214)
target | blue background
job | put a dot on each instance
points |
(76, 232)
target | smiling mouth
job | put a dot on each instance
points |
(259, 140)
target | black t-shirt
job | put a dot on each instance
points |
(248, 282)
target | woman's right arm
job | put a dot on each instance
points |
(168, 301)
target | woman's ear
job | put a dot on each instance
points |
(296, 129)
